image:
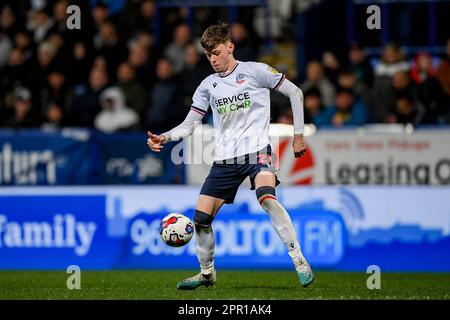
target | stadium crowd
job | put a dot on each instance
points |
(114, 76)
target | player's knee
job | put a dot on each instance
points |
(264, 194)
(202, 219)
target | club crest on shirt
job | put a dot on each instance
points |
(240, 78)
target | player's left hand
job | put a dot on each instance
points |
(299, 145)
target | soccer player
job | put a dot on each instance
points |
(238, 93)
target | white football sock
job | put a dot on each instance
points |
(204, 237)
(283, 226)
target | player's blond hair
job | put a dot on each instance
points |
(215, 35)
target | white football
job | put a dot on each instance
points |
(176, 229)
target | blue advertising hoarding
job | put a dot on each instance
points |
(47, 231)
(347, 229)
(126, 159)
(83, 157)
(40, 158)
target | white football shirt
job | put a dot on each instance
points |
(240, 102)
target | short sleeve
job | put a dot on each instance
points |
(268, 77)
(200, 100)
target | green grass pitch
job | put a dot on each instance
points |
(160, 285)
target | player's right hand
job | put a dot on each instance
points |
(299, 145)
(155, 142)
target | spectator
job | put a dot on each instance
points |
(54, 117)
(270, 20)
(87, 104)
(108, 45)
(443, 76)
(170, 20)
(5, 48)
(128, 16)
(138, 16)
(176, 50)
(16, 72)
(243, 50)
(60, 14)
(313, 104)
(46, 55)
(406, 111)
(402, 85)
(164, 111)
(115, 115)
(99, 13)
(39, 71)
(41, 25)
(348, 80)
(194, 71)
(279, 107)
(286, 117)
(135, 94)
(443, 71)
(56, 92)
(80, 64)
(23, 41)
(422, 68)
(99, 63)
(315, 78)
(22, 117)
(346, 111)
(392, 61)
(5, 111)
(8, 21)
(332, 66)
(146, 15)
(360, 65)
(62, 52)
(142, 38)
(429, 91)
(144, 64)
